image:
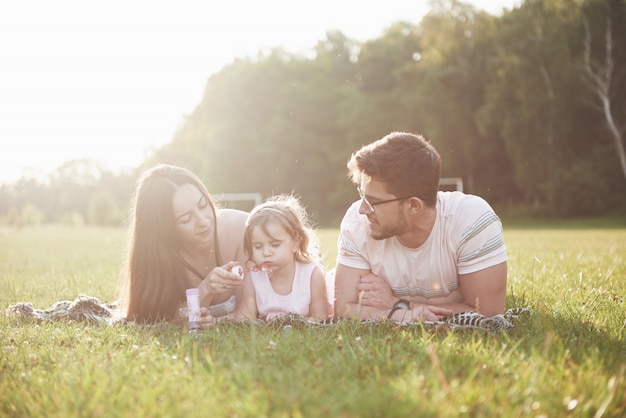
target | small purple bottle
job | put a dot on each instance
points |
(193, 307)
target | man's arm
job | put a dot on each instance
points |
(349, 303)
(378, 292)
(352, 302)
(484, 291)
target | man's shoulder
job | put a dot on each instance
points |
(352, 216)
(454, 203)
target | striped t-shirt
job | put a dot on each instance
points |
(466, 237)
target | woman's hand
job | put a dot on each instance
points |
(206, 320)
(221, 279)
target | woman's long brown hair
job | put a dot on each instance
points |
(156, 276)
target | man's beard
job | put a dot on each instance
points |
(400, 227)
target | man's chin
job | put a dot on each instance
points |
(376, 232)
(379, 234)
(376, 235)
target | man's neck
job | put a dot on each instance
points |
(420, 229)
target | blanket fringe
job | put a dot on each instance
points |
(83, 309)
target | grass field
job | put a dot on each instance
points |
(568, 358)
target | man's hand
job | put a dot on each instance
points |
(375, 292)
(420, 313)
(430, 313)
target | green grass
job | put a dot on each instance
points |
(568, 358)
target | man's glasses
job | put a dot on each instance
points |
(371, 205)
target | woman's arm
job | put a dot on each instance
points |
(219, 285)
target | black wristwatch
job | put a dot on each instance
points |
(401, 304)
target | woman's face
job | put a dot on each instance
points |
(193, 216)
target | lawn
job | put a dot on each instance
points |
(567, 358)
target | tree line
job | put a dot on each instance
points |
(528, 108)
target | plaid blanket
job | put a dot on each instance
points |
(90, 309)
(464, 320)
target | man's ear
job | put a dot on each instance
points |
(416, 204)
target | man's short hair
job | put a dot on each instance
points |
(406, 163)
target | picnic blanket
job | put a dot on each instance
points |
(89, 309)
(84, 309)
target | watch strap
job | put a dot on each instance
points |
(401, 304)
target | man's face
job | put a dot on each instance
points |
(384, 211)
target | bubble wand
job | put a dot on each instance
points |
(264, 267)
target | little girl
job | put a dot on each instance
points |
(291, 280)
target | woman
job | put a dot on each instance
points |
(178, 239)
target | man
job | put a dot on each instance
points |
(410, 252)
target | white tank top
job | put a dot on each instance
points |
(270, 304)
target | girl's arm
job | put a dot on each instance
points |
(246, 306)
(318, 308)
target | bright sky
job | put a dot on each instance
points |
(112, 80)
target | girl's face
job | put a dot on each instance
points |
(276, 247)
(193, 216)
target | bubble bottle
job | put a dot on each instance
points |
(193, 308)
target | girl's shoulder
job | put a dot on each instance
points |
(312, 266)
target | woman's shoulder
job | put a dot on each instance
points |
(231, 225)
(231, 217)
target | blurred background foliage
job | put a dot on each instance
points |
(528, 108)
